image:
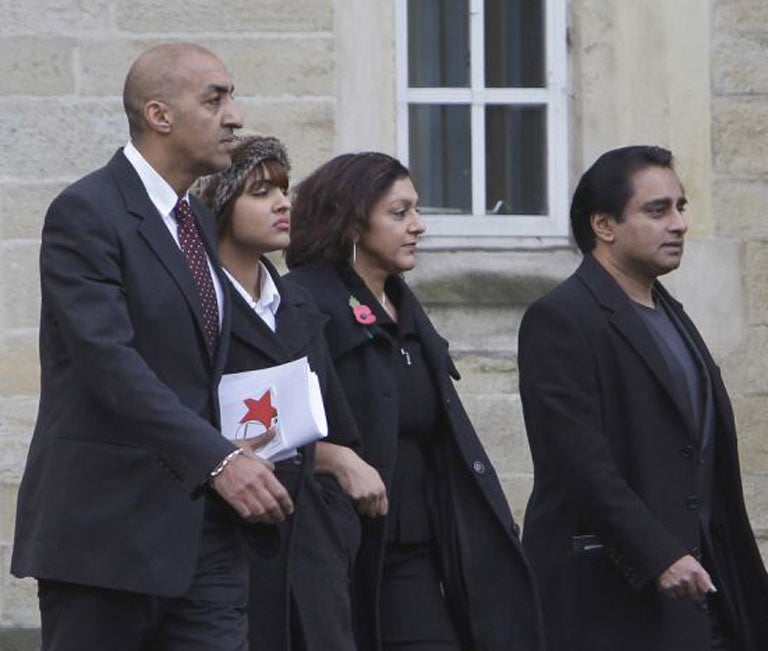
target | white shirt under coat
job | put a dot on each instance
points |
(269, 297)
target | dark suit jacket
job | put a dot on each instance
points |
(616, 456)
(126, 430)
(314, 550)
(492, 594)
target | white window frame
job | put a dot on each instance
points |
(480, 230)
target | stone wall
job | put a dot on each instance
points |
(740, 201)
(687, 74)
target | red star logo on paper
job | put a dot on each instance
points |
(260, 410)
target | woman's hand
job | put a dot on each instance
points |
(360, 480)
(253, 443)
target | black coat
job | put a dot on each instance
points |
(127, 429)
(616, 456)
(493, 597)
(312, 553)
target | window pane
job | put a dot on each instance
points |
(514, 43)
(440, 157)
(438, 43)
(516, 160)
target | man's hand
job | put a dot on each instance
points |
(248, 484)
(360, 480)
(685, 578)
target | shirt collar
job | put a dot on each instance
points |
(162, 195)
(269, 296)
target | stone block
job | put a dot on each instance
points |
(739, 208)
(49, 139)
(103, 64)
(755, 270)
(740, 135)
(19, 287)
(18, 597)
(55, 16)
(490, 278)
(293, 65)
(261, 66)
(486, 374)
(30, 65)
(738, 63)
(498, 420)
(305, 126)
(8, 493)
(17, 420)
(19, 364)
(709, 283)
(762, 542)
(225, 16)
(752, 426)
(743, 370)
(472, 329)
(20, 639)
(22, 208)
(756, 497)
(740, 17)
(517, 489)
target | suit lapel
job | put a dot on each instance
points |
(630, 326)
(155, 233)
(250, 329)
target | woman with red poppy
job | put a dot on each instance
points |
(443, 569)
(299, 570)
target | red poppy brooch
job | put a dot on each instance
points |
(363, 314)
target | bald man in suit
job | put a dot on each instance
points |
(130, 496)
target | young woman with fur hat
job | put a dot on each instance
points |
(299, 570)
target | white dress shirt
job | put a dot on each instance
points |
(269, 297)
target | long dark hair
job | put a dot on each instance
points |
(332, 206)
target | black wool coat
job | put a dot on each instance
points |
(311, 555)
(616, 479)
(492, 596)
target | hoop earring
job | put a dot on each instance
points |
(354, 252)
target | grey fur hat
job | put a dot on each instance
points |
(250, 151)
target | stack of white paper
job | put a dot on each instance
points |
(286, 396)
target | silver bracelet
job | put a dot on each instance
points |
(225, 462)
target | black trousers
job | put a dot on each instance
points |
(210, 616)
(720, 633)
(414, 615)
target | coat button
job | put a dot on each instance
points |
(692, 503)
(297, 459)
(479, 467)
(686, 452)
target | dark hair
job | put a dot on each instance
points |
(253, 158)
(606, 187)
(332, 206)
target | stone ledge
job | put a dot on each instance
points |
(19, 639)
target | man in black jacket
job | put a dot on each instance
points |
(636, 528)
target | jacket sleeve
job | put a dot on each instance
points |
(84, 293)
(341, 422)
(562, 395)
